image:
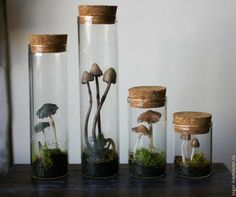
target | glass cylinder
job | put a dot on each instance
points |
(192, 144)
(147, 131)
(48, 105)
(98, 90)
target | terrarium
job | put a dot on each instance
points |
(98, 67)
(48, 123)
(147, 131)
(192, 144)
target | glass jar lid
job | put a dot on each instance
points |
(147, 96)
(190, 122)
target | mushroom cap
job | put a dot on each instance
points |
(195, 143)
(141, 129)
(86, 77)
(46, 110)
(95, 70)
(41, 126)
(185, 137)
(110, 76)
(149, 117)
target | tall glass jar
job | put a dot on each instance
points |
(48, 105)
(98, 90)
(192, 144)
(147, 131)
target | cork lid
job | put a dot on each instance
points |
(192, 122)
(47, 43)
(97, 14)
(147, 96)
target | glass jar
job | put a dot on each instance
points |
(147, 131)
(98, 90)
(48, 106)
(192, 144)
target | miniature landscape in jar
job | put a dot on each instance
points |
(193, 142)
(48, 160)
(99, 157)
(147, 123)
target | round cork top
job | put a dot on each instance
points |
(47, 43)
(147, 96)
(97, 14)
(192, 122)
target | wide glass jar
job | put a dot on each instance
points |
(48, 105)
(147, 131)
(98, 69)
(192, 143)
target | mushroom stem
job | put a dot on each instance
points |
(192, 154)
(54, 128)
(98, 111)
(98, 101)
(150, 137)
(87, 116)
(45, 141)
(137, 143)
(182, 152)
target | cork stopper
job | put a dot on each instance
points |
(192, 122)
(147, 96)
(97, 14)
(47, 43)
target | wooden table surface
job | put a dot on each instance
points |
(18, 182)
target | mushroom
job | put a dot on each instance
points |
(109, 77)
(140, 130)
(150, 117)
(97, 72)
(86, 78)
(40, 127)
(47, 110)
(184, 137)
(194, 144)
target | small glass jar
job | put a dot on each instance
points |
(98, 67)
(48, 106)
(192, 144)
(147, 131)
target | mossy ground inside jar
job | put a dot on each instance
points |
(100, 165)
(147, 163)
(49, 163)
(199, 166)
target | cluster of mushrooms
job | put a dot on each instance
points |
(194, 143)
(46, 111)
(109, 77)
(150, 117)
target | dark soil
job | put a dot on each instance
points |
(101, 168)
(138, 170)
(57, 168)
(190, 171)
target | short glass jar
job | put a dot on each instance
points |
(192, 143)
(48, 105)
(147, 131)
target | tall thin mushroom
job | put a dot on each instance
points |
(150, 117)
(194, 144)
(97, 72)
(109, 77)
(47, 111)
(40, 127)
(184, 137)
(140, 130)
(86, 78)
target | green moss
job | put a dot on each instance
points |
(199, 161)
(147, 158)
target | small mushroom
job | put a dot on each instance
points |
(109, 77)
(140, 130)
(194, 144)
(40, 127)
(97, 72)
(86, 78)
(150, 117)
(184, 137)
